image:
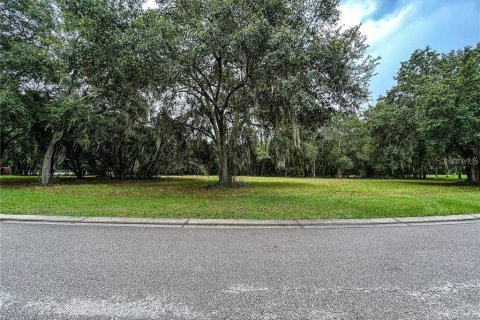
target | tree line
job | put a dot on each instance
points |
(227, 87)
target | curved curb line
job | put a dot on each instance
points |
(239, 222)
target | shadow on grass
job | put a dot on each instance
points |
(438, 183)
(70, 180)
(209, 183)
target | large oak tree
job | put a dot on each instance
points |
(231, 62)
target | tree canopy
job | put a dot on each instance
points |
(433, 112)
(227, 87)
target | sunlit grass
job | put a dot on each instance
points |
(259, 198)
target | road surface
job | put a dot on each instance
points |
(65, 271)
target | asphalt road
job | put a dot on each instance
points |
(55, 271)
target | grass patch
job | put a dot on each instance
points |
(258, 198)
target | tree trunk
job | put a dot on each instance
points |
(79, 174)
(225, 174)
(47, 163)
(474, 177)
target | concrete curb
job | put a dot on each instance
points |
(239, 222)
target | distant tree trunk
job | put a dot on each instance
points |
(47, 163)
(477, 174)
(313, 169)
(339, 173)
(474, 173)
(468, 171)
(79, 174)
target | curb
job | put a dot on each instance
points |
(405, 221)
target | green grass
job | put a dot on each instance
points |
(259, 198)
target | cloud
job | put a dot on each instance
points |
(429, 24)
(377, 30)
(354, 12)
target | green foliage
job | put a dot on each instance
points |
(233, 62)
(433, 112)
(269, 87)
(345, 142)
(25, 68)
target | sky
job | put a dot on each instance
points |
(395, 28)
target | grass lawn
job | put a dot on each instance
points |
(260, 198)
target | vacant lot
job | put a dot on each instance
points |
(259, 198)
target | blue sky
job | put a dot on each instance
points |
(395, 28)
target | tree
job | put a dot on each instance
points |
(24, 25)
(395, 120)
(344, 146)
(226, 55)
(450, 105)
(32, 90)
(106, 54)
(432, 112)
